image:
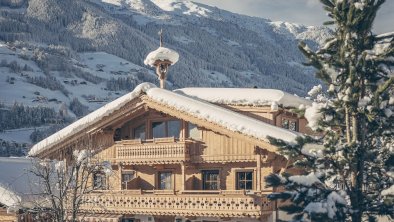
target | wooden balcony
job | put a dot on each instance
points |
(153, 151)
(187, 203)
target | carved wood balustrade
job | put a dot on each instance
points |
(153, 151)
(220, 204)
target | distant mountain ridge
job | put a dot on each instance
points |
(79, 54)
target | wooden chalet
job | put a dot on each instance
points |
(179, 158)
(194, 154)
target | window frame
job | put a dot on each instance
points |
(124, 183)
(133, 130)
(245, 171)
(289, 122)
(102, 186)
(203, 180)
(166, 131)
(172, 176)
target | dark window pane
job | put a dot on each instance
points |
(158, 129)
(285, 123)
(99, 181)
(248, 185)
(293, 126)
(249, 175)
(174, 128)
(139, 132)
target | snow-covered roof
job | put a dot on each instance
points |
(14, 181)
(197, 108)
(228, 119)
(161, 54)
(83, 123)
(242, 96)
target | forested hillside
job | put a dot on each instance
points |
(70, 57)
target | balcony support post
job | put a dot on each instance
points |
(183, 176)
(120, 175)
(258, 172)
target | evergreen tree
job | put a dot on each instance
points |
(348, 172)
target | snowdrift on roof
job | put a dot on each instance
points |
(250, 97)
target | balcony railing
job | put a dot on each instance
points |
(220, 204)
(153, 151)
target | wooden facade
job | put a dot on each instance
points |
(170, 166)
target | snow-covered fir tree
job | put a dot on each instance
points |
(348, 169)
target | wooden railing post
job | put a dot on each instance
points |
(258, 172)
(183, 176)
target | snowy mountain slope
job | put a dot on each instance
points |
(55, 51)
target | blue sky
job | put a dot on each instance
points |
(308, 12)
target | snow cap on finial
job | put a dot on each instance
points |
(161, 54)
(162, 58)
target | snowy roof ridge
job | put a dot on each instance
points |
(86, 121)
(198, 108)
(230, 120)
(244, 96)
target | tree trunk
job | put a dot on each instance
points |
(357, 201)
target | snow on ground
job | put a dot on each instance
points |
(182, 7)
(20, 135)
(217, 77)
(102, 64)
(24, 92)
(239, 96)
(183, 39)
(228, 119)
(231, 43)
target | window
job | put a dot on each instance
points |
(285, 123)
(99, 181)
(245, 180)
(174, 128)
(293, 126)
(117, 134)
(170, 128)
(127, 220)
(289, 124)
(159, 129)
(165, 180)
(127, 176)
(139, 132)
(194, 132)
(210, 179)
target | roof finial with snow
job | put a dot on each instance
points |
(161, 37)
(162, 58)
